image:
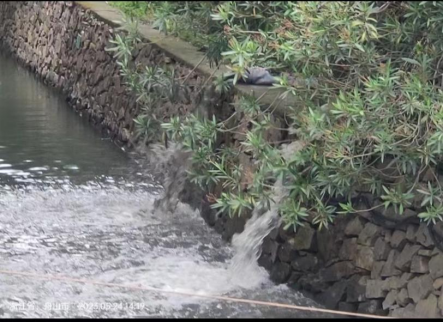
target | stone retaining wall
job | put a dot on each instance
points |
(64, 44)
(359, 266)
(356, 265)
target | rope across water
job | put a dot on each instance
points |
(190, 294)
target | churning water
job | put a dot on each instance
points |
(73, 204)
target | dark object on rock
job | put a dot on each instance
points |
(259, 76)
(256, 76)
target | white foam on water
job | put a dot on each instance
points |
(116, 236)
(247, 244)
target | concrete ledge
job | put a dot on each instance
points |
(187, 54)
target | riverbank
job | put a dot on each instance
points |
(355, 265)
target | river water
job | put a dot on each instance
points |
(74, 204)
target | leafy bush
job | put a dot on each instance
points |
(188, 20)
(133, 9)
(368, 113)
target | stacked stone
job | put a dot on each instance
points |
(355, 265)
(65, 45)
(359, 266)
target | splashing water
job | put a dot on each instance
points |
(245, 270)
(247, 245)
(170, 165)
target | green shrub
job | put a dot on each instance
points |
(368, 114)
(134, 9)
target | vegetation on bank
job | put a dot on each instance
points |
(368, 115)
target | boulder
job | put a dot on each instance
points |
(420, 265)
(427, 308)
(403, 297)
(377, 269)
(280, 272)
(436, 266)
(354, 227)
(348, 250)
(338, 271)
(404, 312)
(390, 300)
(381, 249)
(307, 263)
(420, 287)
(273, 234)
(269, 246)
(423, 236)
(356, 289)
(334, 294)
(369, 234)
(312, 283)
(265, 261)
(293, 279)
(389, 268)
(376, 288)
(286, 253)
(411, 231)
(328, 248)
(397, 282)
(398, 239)
(303, 239)
(365, 258)
(404, 259)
